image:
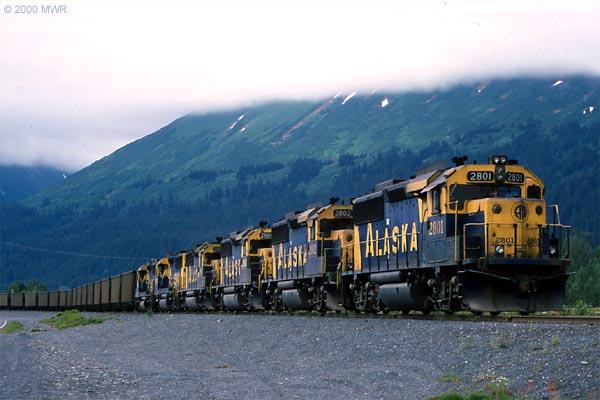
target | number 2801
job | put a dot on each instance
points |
(436, 227)
(480, 176)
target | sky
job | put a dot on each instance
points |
(77, 85)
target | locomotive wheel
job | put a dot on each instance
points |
(524, 313)
(477, 313)
(494, 313)
(405, 311)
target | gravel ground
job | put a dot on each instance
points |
(217, 356)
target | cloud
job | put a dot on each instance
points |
(77, 86)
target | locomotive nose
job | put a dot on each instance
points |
(513, 226)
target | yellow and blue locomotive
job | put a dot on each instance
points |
(472, 236)
(246, 259)
(311, 249)
(144, 287)
(203, 275)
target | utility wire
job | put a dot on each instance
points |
(70, 253)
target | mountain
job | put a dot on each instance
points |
(208, 174)
(18, 183)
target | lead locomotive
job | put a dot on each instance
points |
(471, 237)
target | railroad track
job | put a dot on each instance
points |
(538, 319)
(588, 320)
(436, 316)
(558, 319)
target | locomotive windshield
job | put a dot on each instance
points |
(461, 193)
(209, 257)
(328, 225)
(259, 244)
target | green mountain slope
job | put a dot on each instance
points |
(207, 174)
(197, 148)
(18, 183)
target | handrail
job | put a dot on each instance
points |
(556, 213)
(456, 260)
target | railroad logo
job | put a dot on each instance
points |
(520, 212)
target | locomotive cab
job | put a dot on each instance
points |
(163, 283)
(201, 277)
(333, 228)
(206, 266)
(143, 286)
(311, 250)
(246, 257)
(182, 267)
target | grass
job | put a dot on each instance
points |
(467, 342)
(458, 396)
(500, 342)
(496, 390)
(580, 308)
(71, 319)
(12, 327)
(449, 378)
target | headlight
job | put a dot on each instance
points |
(553, 251)
(539, 210)
(500, 250)
(500, 173)
(496, 160)
(496, 208)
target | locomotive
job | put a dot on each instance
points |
(476, 237)
(467, 237)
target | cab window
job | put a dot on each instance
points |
(534, 192)
(461, 193)
(326, 226)
(259, 244)
(508, 191)
(435, 201)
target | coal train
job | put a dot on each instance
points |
(476, 237)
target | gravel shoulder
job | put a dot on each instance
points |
(218, 356)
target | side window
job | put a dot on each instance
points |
(435, 201)
(534, 192)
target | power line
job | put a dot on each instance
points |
(70, 253)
